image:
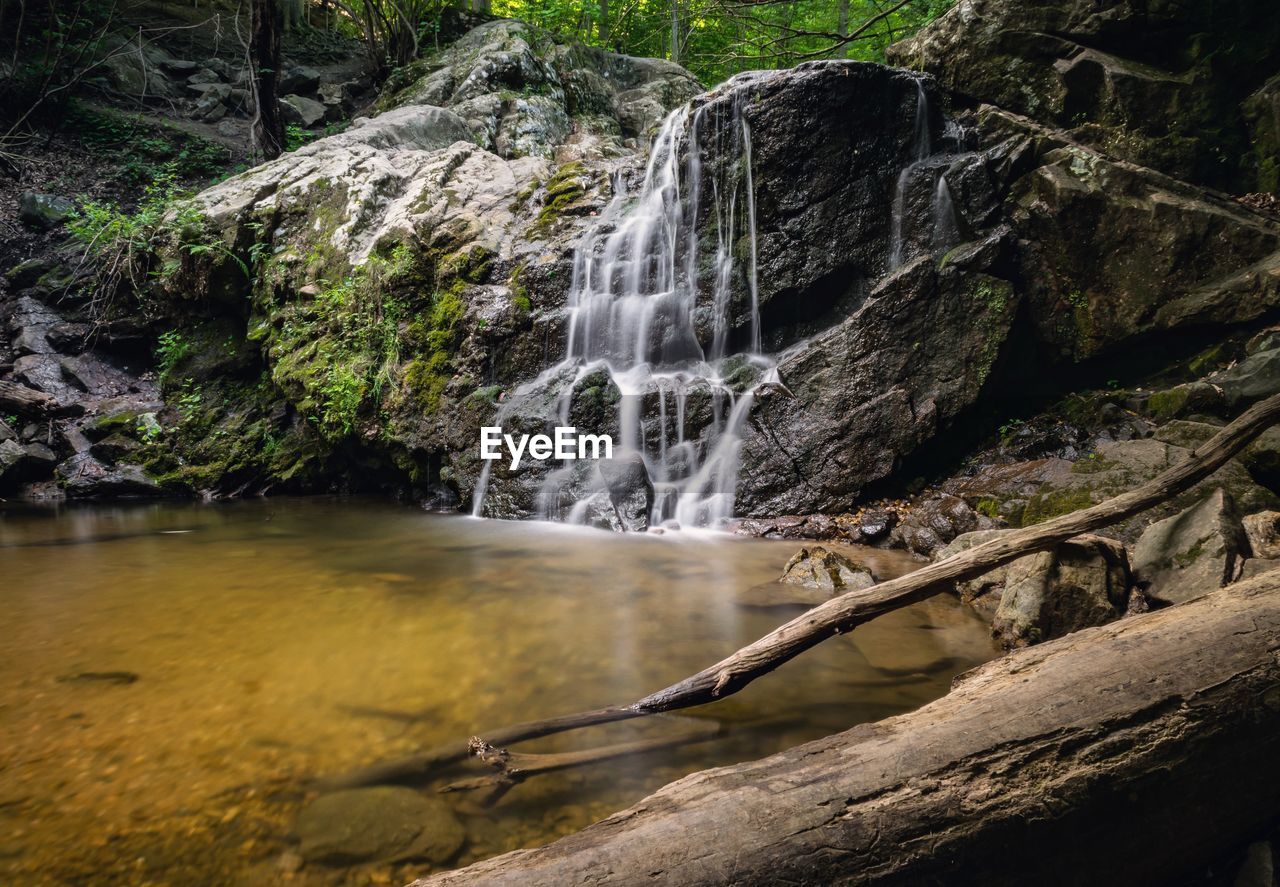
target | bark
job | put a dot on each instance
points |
(1128, 754)
(604, 23)
(846, 612)
(24, 401)
(264, 48)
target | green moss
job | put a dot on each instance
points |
(1055, 503)
(1167, 404)
(988, 507)
(564, 189)
(993, 296)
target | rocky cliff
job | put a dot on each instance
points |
(1029, 211)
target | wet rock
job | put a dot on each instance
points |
(1263, 532)
(813, 575)
(821, 527)
(115, 447)
(383, 824)
(12, 457)
(821, 568)
(301, 110)
(1193, 552)
(1081, 583)
(1191, 399)
(936, 520)
(44, 211)
(84, 477)
(6, 433)
(630, 490)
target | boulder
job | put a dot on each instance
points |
(44, 211)
(630, 490)
(813, 574)
(382, 824)
(12, 459)
(84, 477)
(1262, 116)
(1255, 377)
(1263, 532)
(1200, 548)
(299, 79)
(821, 568)
(300, 110)
(1080, 583)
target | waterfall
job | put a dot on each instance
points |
(946, 227)
(921, 148)
(649, 275)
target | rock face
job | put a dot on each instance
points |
(1080, 583)
(1202, 547)
(383, 824)
(1160, 85)
(408, 279)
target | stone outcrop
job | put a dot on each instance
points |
(1078, 584)
(1200, 548)
(1160, 85)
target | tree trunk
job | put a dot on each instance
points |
(1128, 754)
(604, 23)
(842, 28)
(675, 31)
(264, 49)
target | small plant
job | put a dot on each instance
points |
(171, 349)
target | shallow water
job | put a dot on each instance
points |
(276, 640)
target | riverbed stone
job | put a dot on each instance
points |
(1190, 554)
(382, 824)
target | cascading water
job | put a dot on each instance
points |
(635, 312)
(664, 315)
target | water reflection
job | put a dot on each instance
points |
(276, 640)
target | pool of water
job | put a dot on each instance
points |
(173, 676)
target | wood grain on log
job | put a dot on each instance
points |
(24, 401)
(1126, 754)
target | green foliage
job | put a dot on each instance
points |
(143, 150)
(171, 349)
(717, 39)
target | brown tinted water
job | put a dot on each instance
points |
(172, 674)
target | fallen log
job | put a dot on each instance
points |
(24, 401)
(1133, 753)
(849, 610)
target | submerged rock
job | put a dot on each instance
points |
(382, 824)
(1190, 554)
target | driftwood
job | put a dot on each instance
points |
(24, 401)
(846, 612)
(513, 768)
(1134, 753)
